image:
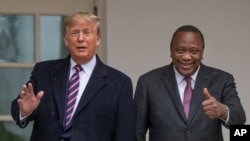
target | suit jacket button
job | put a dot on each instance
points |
(188, 132)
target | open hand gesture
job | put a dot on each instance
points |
(28, 101)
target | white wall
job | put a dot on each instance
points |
(139, 32)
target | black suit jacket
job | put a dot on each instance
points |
(159, 107)
(105, 111)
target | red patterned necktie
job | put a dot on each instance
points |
(187, 96)
(73, 88)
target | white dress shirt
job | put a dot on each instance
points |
(182, 83)
(84, 77)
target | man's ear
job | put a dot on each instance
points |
(65, 40)
(98, 41)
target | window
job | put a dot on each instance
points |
(19, 51)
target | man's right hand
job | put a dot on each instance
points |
(28, 101)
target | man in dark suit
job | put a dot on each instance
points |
(160, 94)
(103, 108)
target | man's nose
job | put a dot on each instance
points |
(187, 55)
(81, 37)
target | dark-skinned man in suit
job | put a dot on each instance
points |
(160, 99)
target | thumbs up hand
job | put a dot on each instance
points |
(213, 108)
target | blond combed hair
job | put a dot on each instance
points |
(83, 17)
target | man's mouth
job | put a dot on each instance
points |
(81, 47)
(186, 65)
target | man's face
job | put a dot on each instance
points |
(187, 52)
(82, 41)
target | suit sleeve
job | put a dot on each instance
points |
(141, 111)
(232, 100)
(15, 110)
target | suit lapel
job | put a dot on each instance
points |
(202, 81)
(59, 77)
(168, 79)
(96, 82)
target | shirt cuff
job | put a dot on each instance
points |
(228, 113)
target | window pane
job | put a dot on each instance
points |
(51, 38)
(11, 83)
(16, 38)
(9, 131)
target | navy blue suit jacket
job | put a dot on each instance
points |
(105, 111)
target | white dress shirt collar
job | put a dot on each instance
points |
(87, 68)
(180, 77)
